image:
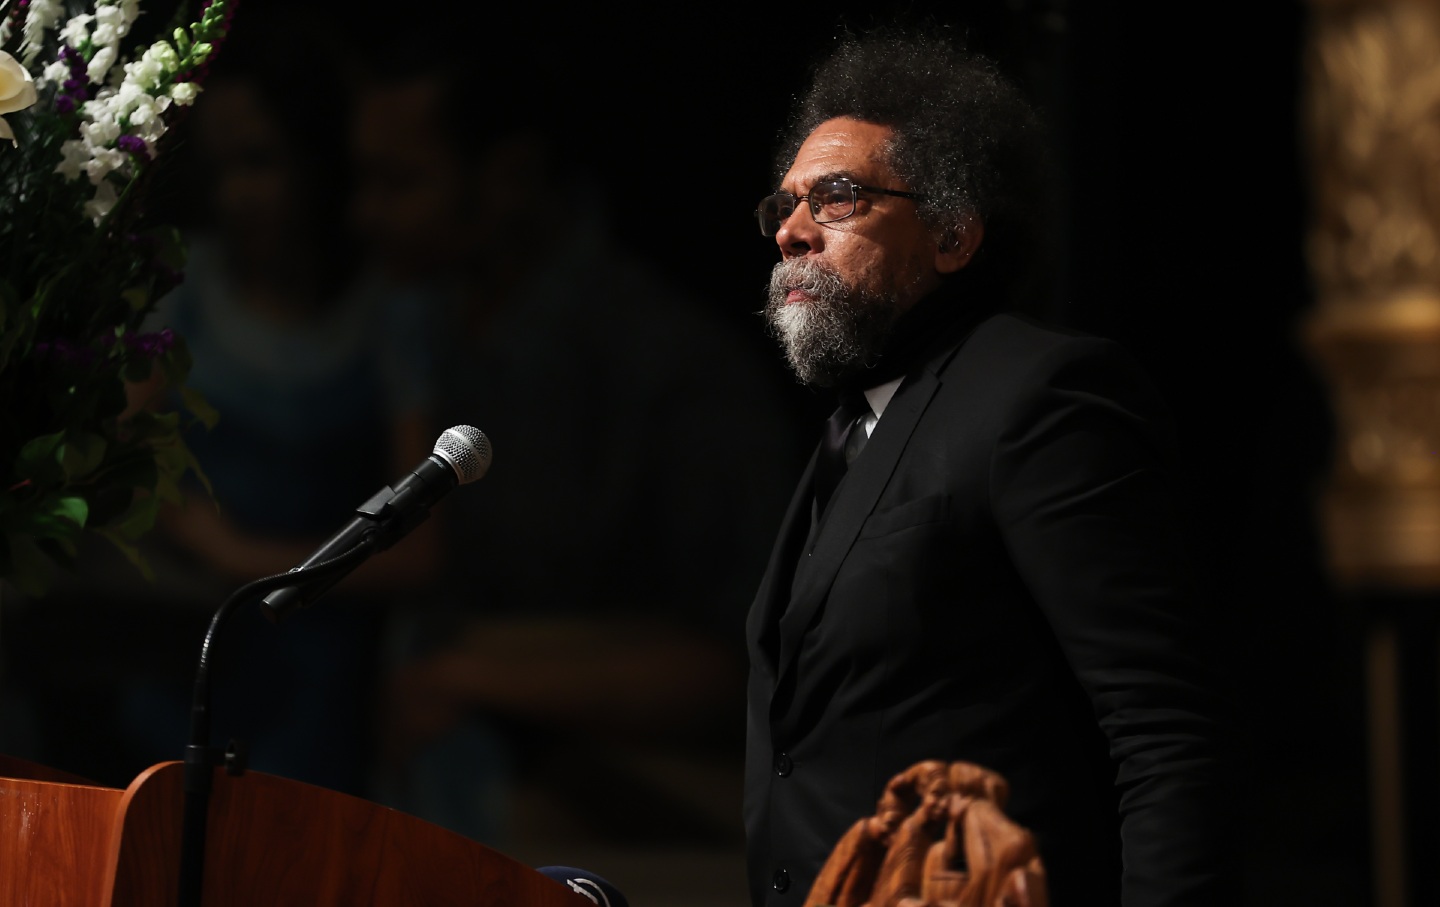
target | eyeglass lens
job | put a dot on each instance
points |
(829, 201)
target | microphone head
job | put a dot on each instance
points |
(586, 883)
(466, 449)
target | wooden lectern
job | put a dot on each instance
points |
(65, 842)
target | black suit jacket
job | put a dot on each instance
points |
(999, 580)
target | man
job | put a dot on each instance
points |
(995, 576)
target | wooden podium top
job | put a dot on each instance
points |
(269, 841)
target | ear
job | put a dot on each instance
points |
(958, 245)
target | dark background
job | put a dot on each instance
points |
(1183, 196)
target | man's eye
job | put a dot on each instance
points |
(831, 196)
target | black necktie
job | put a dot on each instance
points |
(830, 464)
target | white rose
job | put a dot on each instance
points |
(184, 93)
(17, 91)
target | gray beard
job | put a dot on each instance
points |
(836, 335)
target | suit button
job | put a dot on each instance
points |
(781, 881)
(783, 765)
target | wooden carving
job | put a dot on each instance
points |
(939, 838)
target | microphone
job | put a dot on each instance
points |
(586, 883)
(461, 455)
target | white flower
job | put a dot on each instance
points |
(41, 17)
(111, 17)
(184, 93)
(58, 71)
(143, 112)
(126, 97)
(144, 72)
(161, 52)
(77, 31)
(100, 132)
(100, 64)
(104, 200)
(75, 154)
(104, 161)
(17, 91)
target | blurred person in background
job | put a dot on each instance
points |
(589, 622)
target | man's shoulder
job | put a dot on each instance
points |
(1016, 342)
(1011, 360)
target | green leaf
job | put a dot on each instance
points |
(169, 247)
(199, 407)
(67, 547)
(131, 552)
(73, 508)
(138, 298)
(133, 472)
(81, 454)
(54, 518)
(176, 362)
(151, 426)
(37, 459)
(138, 520)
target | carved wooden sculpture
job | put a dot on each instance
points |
(939, 838)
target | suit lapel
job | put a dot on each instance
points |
(854, 500)
(774, 592)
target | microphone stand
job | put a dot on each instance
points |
(200, 756)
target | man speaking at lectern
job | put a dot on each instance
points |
(981, 563)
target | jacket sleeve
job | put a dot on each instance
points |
(1085, 501)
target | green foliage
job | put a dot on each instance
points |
(81, 449)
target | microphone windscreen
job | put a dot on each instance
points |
(589, 884)
(467, 450)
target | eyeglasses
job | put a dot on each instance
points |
(830, 201)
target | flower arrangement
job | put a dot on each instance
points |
(85, 106)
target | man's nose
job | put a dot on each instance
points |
(799, 234)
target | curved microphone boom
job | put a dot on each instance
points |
(461, 455)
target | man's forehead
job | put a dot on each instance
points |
(841, 147)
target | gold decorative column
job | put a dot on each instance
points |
(1373, 143)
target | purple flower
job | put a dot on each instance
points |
(134, 145)
(151, 345)
(64, 103)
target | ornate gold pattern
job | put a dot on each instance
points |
(1373, 104)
